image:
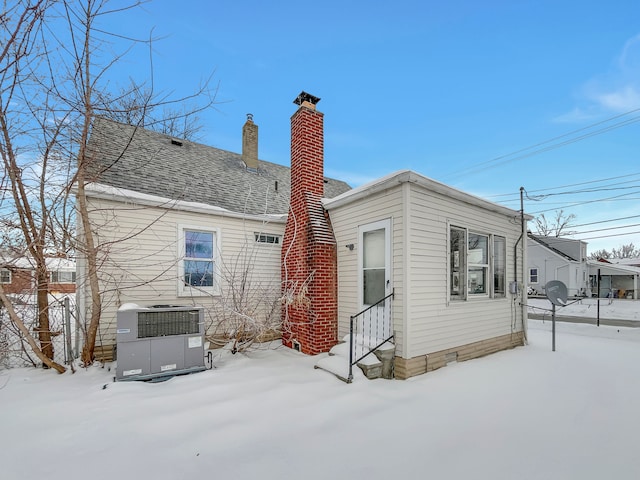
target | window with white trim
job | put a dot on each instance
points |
(533, 275)
(477, 264)
(5, 276)
(458, 263)
(197, 267)
(499, 266)
(63, 276)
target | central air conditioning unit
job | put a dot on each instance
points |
(159, 341)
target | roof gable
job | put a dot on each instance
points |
(546, 245)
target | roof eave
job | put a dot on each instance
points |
(409, 176)
(107, 192)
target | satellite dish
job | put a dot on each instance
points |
(556, 292)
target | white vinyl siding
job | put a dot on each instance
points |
(424, 319)
(437, 323)
(346, 221)
(145, 268)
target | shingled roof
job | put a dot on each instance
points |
(152, 163)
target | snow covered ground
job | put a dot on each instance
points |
(527, 413)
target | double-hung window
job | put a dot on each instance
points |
(5, 275)
(197, 265)
(477, 264)
(63, 276)
(533, 275)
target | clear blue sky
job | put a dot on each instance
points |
(450, 89)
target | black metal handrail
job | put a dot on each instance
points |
(352, 362)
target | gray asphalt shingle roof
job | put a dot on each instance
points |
(149, 162)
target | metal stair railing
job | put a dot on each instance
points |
(374, 325)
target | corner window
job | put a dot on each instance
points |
(458, 263)
(5, 276)
(533, 275)
(63, 276)
(197, 264)
(499, 266)
(477, 264)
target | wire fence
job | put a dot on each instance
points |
(65, 332)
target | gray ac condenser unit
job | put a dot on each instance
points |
(159, 341)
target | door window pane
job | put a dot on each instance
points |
(373, 282)
(373, 249)
(373, 266)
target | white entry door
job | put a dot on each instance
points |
(375, 277)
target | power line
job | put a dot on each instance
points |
(606, 229)
(608, 199)
(605, 221)
(517, 194)
(608, 236)
(574, 192)
(519, 154)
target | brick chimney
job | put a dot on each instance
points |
(309, 256)
(250, 143)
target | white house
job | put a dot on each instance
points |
(454, 261)
(565, 259)
(556, 258)
(183, 223)
(614, 280)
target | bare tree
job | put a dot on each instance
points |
(598, 254)
(51, 88)
(626, 251)
(554, 227)
(248, 309)
(27, 130)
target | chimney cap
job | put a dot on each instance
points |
(306, 97)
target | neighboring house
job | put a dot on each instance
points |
(17, 275)
(617, 280)
(629, 262)
(177, 216)
(565, 259)
(556, 258)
